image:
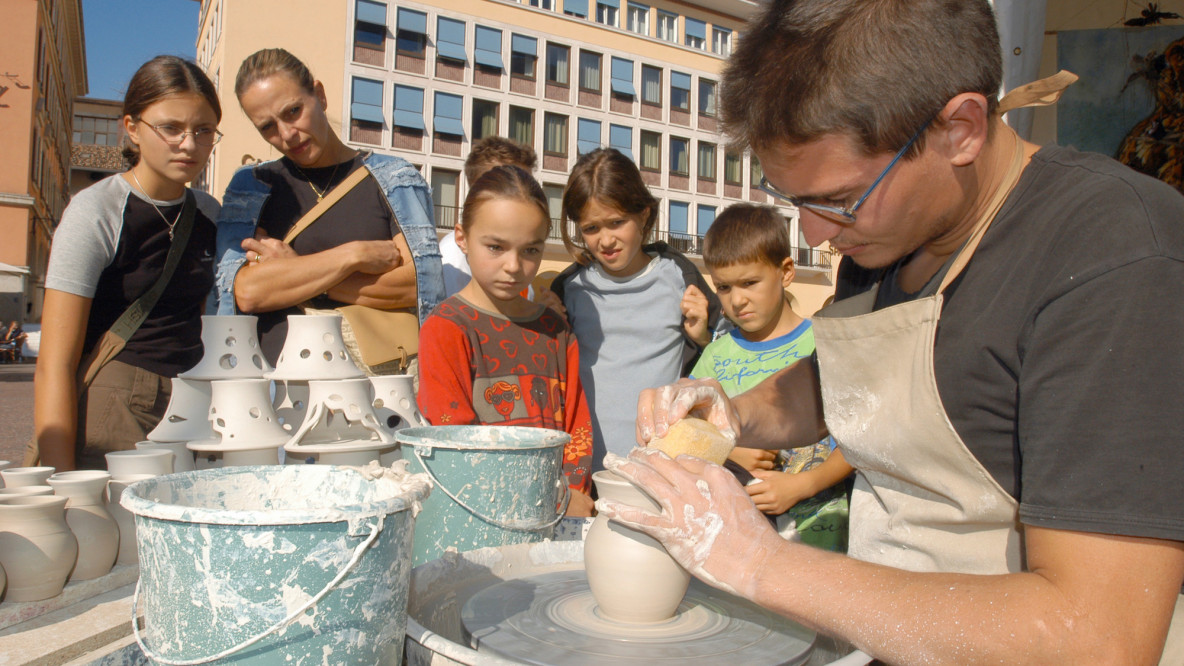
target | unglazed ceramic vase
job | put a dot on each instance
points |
(632, 577)
(394, 402)
(4, 464)
(37, 548)
(14, 477)
(87, 516)
(126, 520)
(123, 464)
(340, 427)
(314, 349)
(188, 415)
(26, 491)
(230, 349)
(182, 456)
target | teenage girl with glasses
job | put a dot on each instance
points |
(110, 248)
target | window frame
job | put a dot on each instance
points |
(637, 9)
(566, 82)
(522, 58)
(402, 34)
(667, 33)
(717, 33)
(686, 152)
(563, 119)
(599, 72)
(659, 87)
(674, 99)
(706, 169)
(714, 97)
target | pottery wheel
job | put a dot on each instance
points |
(552, 619)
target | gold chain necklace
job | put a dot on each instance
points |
(158, 210)
(328, 183)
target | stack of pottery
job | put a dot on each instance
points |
(246, 429)
(87, 516)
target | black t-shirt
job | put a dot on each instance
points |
(1060, 355)
(362, 214)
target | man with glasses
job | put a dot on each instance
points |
(1008, 390)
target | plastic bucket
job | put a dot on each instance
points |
(274, 564)
(493, 485)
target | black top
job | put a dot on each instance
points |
(362, 214)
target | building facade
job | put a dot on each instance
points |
(44, 67)
(424, 80)
(95, 143)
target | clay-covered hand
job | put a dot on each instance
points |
(707, 523)
(777, 492)
(550, 299)
(753, 459)
(694, 315)
(658, 408)
(375, 257)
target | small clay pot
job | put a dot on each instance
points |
(37, 548)
(25, 476)
(87, 516)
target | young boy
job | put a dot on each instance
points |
(747, 252)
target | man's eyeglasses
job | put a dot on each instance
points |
(173, 135)
(843, 214)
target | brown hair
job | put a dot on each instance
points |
(876, 70)
(267, 62)
(158, 78)
(504, 182)
(497, 151)
(613, 180)
(747, 233)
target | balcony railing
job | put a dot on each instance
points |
(804, 257)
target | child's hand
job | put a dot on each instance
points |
(550, 299)
(753, 459)
(694, 312)
(778, 491)
(580, 506)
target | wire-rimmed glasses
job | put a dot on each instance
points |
(174, 135)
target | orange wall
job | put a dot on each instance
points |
(17, 52)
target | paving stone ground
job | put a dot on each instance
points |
(16, 409)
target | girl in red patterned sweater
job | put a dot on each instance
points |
(489, 356)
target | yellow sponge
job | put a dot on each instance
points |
(694, 437)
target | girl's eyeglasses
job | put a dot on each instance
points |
(173, 135)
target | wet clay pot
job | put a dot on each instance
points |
(632, 577)
(89, 520)
(37, 548)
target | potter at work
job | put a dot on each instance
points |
(1009, 388)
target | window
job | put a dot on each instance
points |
(651, 85)
(590, 71)
(721, 41)
(489, 48)
(638, 18)
(696, 35)
(548, 5)
(408, 108)
(554, 201)
(606, 12)
(412, 35)
(621, 138)
(667, 26)
(706, 217)
(706, 160)
(523, 56)
(450, 39)
(622, 73)
(484, 119)
(732, 168)
(576, 8)
(651, 151)
(555, 134)
(706, 97)
(448, 113)
(679, 163)
(445, 197)
(96, 131)
(366, 103)
(587, 136)
(755, 172)
(370, 24)
(678, 217)
(522, 125)
(557, 67)
(680, 91)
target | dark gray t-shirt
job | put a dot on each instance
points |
(1060, 351)
(111, 247)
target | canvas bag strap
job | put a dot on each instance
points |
(113, 341)
(325, 204)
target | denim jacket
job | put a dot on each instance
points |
(405, 189)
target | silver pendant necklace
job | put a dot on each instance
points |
(158, 210)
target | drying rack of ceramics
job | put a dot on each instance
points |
(246, 429)
(313, 349)
(341, 427)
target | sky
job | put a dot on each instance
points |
(121, 35)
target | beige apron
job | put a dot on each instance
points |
(921, 501)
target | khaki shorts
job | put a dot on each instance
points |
(123, 404)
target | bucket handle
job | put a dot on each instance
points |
(516, 525)
(375, 530)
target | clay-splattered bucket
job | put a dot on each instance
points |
(493, 485)
(274, 564)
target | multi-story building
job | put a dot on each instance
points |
(95, 145)
(424, 79)
(44, 70)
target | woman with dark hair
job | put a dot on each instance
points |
(113, 249)
(375, 246)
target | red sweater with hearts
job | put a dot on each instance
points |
(479, 367)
